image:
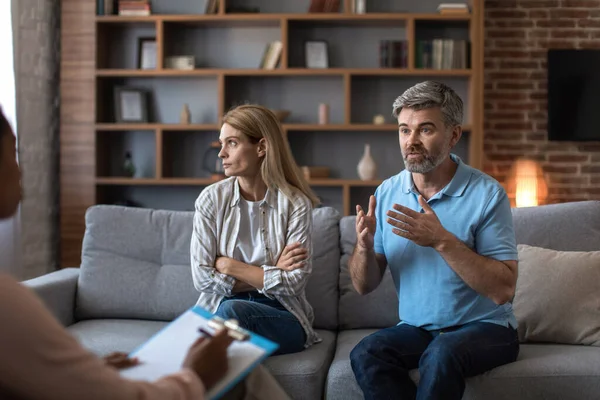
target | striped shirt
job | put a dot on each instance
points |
(282, 222)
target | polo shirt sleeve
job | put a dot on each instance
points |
(495, 235)
(380, 219)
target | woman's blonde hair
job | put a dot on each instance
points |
(279, 169)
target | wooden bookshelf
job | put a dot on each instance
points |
(100, 53)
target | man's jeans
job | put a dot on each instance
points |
(266, 317)
(381, 361)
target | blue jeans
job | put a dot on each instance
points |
(266, 317)
(381, 361)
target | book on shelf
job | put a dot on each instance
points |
(443, 54)
(453, 8)
(393, 54)
(212, 6)
(324, 6)
(105, 7)
(272, 55)
(134, 8)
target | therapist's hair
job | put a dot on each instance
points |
(278, 170)
(430, 94)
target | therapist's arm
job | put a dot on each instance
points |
(42, 361)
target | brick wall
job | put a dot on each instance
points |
(518, 34)
(37, 55)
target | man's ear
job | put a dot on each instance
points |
(456, 134)
(262, 147)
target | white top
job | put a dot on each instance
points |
(250, 246)
(217, 231)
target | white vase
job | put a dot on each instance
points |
(367, 169)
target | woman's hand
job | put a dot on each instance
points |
(222, 264)
(292, 257)
(120, 360)
(208, 358)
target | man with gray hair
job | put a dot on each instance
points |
(445, 230)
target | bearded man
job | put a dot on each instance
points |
(445, 231)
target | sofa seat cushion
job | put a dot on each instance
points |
(542, 371)
(302, 375)
(103, 336)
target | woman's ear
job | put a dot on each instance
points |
(262, 147)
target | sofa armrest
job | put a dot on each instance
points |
(57, 290)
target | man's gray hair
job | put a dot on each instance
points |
(431, 94)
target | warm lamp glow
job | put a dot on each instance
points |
(526, 185)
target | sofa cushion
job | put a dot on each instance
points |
(302, 375)
(135, 264)
(103, 336)
(322, 287)
(542, 371)
(551, 285)
(571, 226)
(378, 309)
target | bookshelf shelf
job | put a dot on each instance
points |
(281, 72)
(306, 17)
(123, 181)
(227, 48)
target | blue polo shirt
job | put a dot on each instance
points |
(475, 208)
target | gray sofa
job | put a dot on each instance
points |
(135, 277)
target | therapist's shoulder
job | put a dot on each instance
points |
(486, 186)
(392, 186)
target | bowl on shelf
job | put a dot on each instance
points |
(281, 114)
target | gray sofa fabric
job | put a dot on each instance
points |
(135, 276)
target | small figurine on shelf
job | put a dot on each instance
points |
(185, 117)
(323, 114)
(128, 167)
(378, 119)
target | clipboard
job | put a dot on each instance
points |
(164, 353)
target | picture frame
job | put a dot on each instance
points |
(131, 105)
(147, 53)
(316, 54)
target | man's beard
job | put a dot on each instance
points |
(427, 164)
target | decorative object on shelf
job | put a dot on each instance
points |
(329, 6)
(316, 54)
(311, 172)
(105, 7)
(281, 114)
(128, 166)
(323, 114)
(379, 119)
(180, 62)
(367, 169)
(134, 8)
(146, 53)
(131, 105)
(212, 163)
(272, 55)
(526, 184)
(185, 116)
(358, 6)
(453, 8)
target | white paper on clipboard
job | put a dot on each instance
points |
(164, 353)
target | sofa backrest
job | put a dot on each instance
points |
(136, 264)
(571, 226)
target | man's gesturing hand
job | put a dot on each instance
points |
(425, 229)
(366, 225)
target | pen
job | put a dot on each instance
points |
(205, 332)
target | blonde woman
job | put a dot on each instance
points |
(251, 244)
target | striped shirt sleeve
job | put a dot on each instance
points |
(299, 229)
(203, 250)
